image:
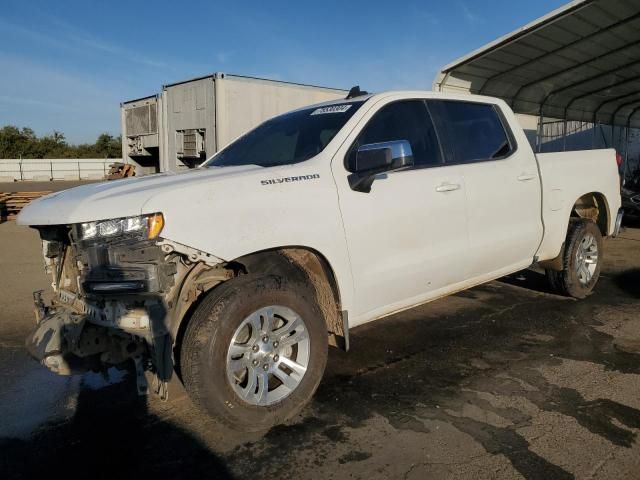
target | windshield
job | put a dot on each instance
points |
(290, 138)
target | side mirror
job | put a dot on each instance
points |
(375, 158)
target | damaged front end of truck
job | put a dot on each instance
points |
(119, 291)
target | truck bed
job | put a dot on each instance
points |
(566, 176)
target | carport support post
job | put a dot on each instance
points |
(626, 152)
(539, 139)
(564, 135)
(626, 155)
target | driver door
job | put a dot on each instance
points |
(407, 237)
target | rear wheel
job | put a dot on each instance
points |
(582, 259)
(255, 351)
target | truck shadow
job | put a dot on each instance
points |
(464, 368)
(630, 221)
(434, 364)
(530, 280)
(112, 435)
(629, 282)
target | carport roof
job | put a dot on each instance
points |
(580, 62)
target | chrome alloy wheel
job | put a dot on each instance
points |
(268, 355)
(586, 259)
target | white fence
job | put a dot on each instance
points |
(54, 169)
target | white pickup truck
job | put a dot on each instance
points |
(237, 275)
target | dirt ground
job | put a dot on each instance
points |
(502, 381)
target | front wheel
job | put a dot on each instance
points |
(582, 261)
(255, 351)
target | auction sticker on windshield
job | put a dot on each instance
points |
(331, 109)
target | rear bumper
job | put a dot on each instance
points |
(618, 224)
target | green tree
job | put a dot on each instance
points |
(108, 146)
(24, 143)
(15, 142)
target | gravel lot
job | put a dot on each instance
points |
(502, 381)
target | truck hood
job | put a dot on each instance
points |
(119, 198)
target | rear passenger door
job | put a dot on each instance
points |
(502, 185)
(407, 237)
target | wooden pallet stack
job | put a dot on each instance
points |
(12, 202)
(120, 170)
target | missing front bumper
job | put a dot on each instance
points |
(51, 343)
(67, 343)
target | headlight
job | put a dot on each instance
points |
(146, 226)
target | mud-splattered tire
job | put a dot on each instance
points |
(238, 335)
(582, 261)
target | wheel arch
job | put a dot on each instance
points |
(298, 262)
(310, 265)
(595, 207)
(591, 206)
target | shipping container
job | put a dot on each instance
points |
(189, 121)
(141, 133)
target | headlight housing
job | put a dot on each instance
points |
(141, 226)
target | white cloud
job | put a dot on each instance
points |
(117, 51)
(70, 39)
(471, 17)
(34, 102)
(425, 16)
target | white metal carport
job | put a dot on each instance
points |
(578, 63)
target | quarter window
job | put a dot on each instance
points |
(474, 131)
(405, 120)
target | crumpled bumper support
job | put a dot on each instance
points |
(53, 340)
(69, 340)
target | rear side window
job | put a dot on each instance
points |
(405, 120)
(474, 131)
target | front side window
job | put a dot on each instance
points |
(474, 131)
(287, 139)
(405, 120)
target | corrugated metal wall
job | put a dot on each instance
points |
(244, 103)
(201, 116)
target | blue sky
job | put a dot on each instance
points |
(67, 65)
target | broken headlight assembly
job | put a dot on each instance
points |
(145, 227)
(120, 255)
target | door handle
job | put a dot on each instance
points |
(447, 187)
(525, 177)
